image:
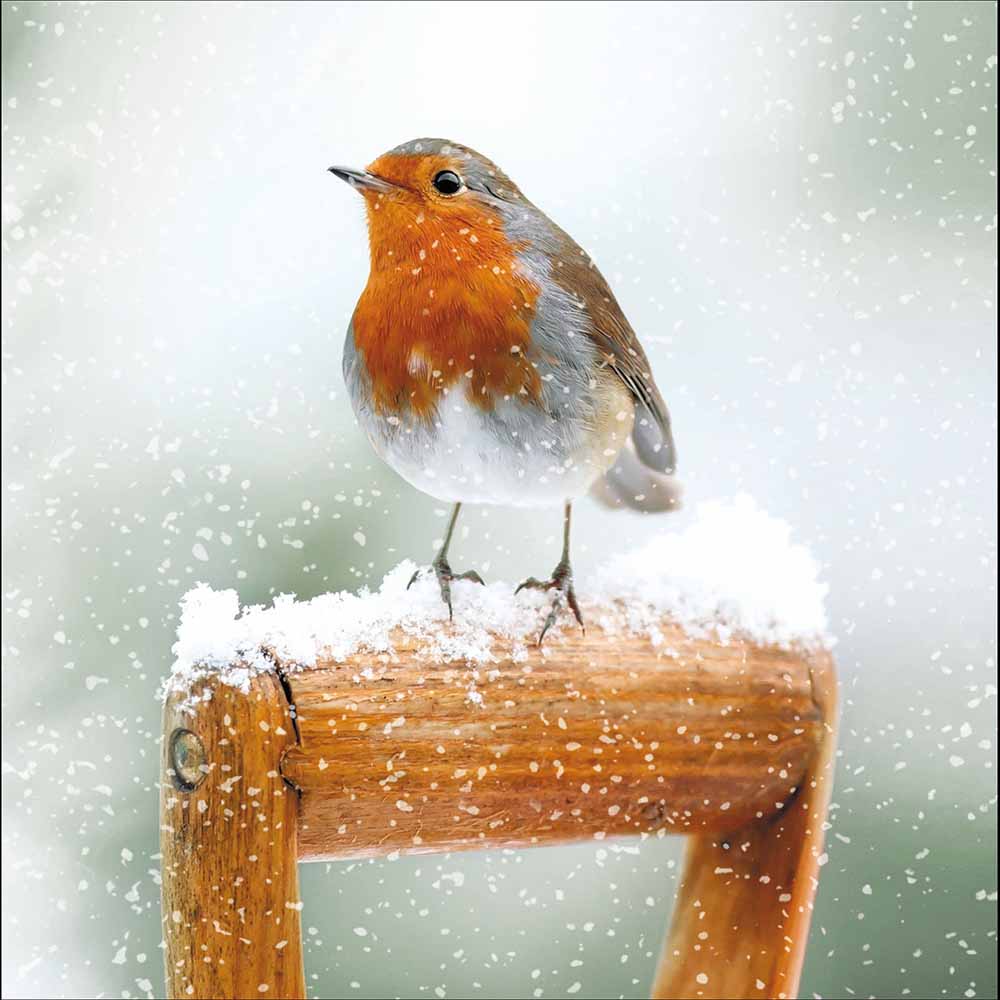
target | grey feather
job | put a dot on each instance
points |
(654, 439)
(631, 483)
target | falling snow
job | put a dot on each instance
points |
(796, 207)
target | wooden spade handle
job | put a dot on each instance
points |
(231, 908)
(602, 736)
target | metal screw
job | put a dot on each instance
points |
(187, 760)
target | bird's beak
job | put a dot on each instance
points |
(361, 180)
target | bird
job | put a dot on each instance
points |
(487, 360)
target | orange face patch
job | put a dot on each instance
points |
(445, 301)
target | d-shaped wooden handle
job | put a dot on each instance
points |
(600, 736)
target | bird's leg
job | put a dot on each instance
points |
(561, 582)
(441, 568)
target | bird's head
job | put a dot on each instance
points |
(432, 190)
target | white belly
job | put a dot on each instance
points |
(516, 455)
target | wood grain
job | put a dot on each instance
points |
(601, 736)
(228, 839)
(741, 920)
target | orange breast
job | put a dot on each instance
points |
(445, 308)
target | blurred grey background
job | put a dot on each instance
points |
(795, 204)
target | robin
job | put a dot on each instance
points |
(487, 359)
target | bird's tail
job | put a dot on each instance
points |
(638, 481)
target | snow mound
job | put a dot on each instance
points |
(734, 571)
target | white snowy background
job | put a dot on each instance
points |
(795, 204)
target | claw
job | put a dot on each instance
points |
(562, 583)
(575, 608)
(445, 578)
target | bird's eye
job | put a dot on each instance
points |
(447, 182)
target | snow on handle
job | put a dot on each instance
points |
(733, 571)
(701, 702)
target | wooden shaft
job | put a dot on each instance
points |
(228, 838)
(600, 736)
(741, 920)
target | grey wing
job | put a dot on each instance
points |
(356, 377)
(351, 363)
(652, 434)
(642, 474)
(621, 351)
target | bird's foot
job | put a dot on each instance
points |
(445, 578)
(562, 583)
